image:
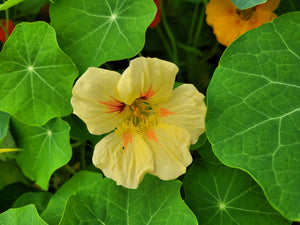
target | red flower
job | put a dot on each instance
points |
(10, 28)
(156, 20)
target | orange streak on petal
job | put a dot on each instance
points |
(165, 112)
(151, 135)
(127, 138)
(113, 106)
(148, 94)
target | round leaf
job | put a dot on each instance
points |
(45, 149)
(154, 202)
(253, 116)
(36, 77)
(221, 195)
(242, 4)
(93, 32)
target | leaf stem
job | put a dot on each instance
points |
(191, 30)
(82, 157)
(199, 26)
(164, 40)
(169, 33)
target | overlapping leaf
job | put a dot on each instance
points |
(45, 149)
(221, 195)
(36, 77)
(21, 216)
(79, 181)
(93, 32)
(253, 116)
(242, 4)
(4, 123)
(154, 202)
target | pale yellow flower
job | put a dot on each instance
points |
(153, 124)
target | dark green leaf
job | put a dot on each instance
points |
(253, 118)
(242, 4)
(222, 195)
(4, 124)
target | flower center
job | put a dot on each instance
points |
(141, 111)
(245, 14)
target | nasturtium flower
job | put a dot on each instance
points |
(229, 22)
(10, 28)
(153, 125)
(157, 18)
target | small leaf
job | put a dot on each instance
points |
(242, 4)
(222, 195)
(79, 181)
(9, 3)
(26, 215)
(154, 202)
(45, 149)
(253, 116)
(39, 199)
(36, 77)
(93, 32)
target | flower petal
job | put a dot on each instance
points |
(186, 108)
(270, 5)
(170, 146)
(96, 100)
(128, 167)
(149, 78)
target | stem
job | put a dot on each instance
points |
(82, 157)
(191, 31)
(165, 42)
(199, 26)
(169, 33)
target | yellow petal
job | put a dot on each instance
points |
(186, 108)
(150, 78)
(96, 100)
(170, 147)
(126, 166)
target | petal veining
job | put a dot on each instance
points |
(149, 78)
(186, 108)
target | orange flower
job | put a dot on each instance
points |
(156, 19)
(229, 22)
(11, 26)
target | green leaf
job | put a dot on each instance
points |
(26, 215)
(207, 154)
(10, 173)
(154, 202)
(10, 193)
(9, 3)
(201, 141)
(39, 199)
(4, 124)
(242, 4)
(30, 7)
(93, 32)
(253, 115)
(45, 149)
(222, 195)
(36, 77)
(79, 181)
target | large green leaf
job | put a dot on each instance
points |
(242, 4)
(253, 116)
(45, 149)
(93, 32)
(26, 215)
(36, 77)
(79, 181)
(154, 202)
(221, 195)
